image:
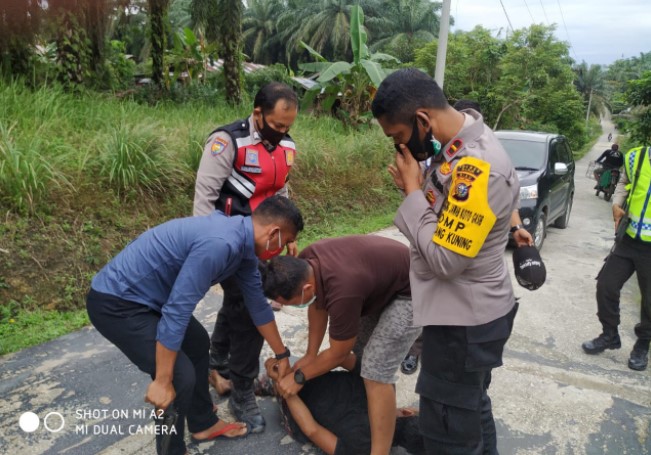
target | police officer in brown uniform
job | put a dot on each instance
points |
(242, 164)
(457, 219)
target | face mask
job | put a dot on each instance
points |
(422, 150)
(308, 303)
(268, 254)
(269, 134)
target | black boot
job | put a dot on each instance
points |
(245, 408)
(639, 355)
(609, 339)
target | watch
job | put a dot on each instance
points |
(284, 355)
(299, 377)
(517, 227)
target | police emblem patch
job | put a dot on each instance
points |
(431, 198)
(218, 146)
(252, 158)
(289, 157)
(445, 168)
(461, 192)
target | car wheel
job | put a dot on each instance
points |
(540, 232)
(562, 221)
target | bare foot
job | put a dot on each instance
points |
(222, 385)
(237, 429)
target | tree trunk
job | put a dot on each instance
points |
(230, 40)
(158, 21)
(19, 21)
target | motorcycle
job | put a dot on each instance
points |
(606, 182)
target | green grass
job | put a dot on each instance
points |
(592, 134)
(81, 175)
(28, 328)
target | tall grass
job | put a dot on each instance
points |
(25, 174)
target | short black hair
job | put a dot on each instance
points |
(404, 91)
(269, 95)
(281, 210)
(467, 104)
(284, 276)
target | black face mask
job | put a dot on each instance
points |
(421, 150)
(269, 134)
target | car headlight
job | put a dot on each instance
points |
(529, 192)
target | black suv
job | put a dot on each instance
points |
(545, 167)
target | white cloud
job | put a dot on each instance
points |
(600, 31)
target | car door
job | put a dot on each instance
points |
(561, 182)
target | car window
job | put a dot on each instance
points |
(525, 154)
(558, 154)
(569, 158)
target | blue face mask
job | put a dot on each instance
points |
(308, 303)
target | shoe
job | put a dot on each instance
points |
(245, 409)
(409, 365)
(609, 339)
(639, 356)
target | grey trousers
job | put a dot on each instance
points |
(627, 257)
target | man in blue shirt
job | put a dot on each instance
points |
(142, 301)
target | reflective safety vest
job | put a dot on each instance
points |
(639, 202)
(257, 173)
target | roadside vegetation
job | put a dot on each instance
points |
(105, 104)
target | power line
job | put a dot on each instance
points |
(507, 16)
(533, 21)
(544, 12)
(566, 31)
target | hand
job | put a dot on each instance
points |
(305, 361)
(522, 238)
(283, 367)
(271, 365)
(618, 213)
(397, 178)
(160, 394)
(292, 249)
(288, 387)
(409, 170)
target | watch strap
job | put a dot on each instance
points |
(284, 355)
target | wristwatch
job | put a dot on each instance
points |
(299, 377)
(284, 355)
(517, 227)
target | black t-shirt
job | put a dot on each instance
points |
(612, 159)
(337, 401)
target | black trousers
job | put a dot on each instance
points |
(627, 257)
(236, 337)
(456, 416)
(132, 327)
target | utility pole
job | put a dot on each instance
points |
(442, 50)
(587, 114)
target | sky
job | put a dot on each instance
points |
(599, 31)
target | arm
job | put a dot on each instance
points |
(215, 167)
(619, 198)
(601, 157)
(317, 322)
(320, 436)
(334, 356)
(521, 236)
(161, 392)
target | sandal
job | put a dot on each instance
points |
(221, 433)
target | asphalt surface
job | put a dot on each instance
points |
(548, 398)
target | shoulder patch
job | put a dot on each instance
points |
(289, 157)
(218, 146)
(466, 219)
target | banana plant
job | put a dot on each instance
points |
(347, 88)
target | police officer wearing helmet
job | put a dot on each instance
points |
(243, 164)
(457, 219)
(631, 254)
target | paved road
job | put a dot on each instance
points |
(549, 398)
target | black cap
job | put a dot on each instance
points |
(529, 267)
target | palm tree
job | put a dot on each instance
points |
(158, 21)
(323, 24)
(405, 25)
(259, 25)
(589, 82)
(222, 21)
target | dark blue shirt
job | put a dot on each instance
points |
(170, 268)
